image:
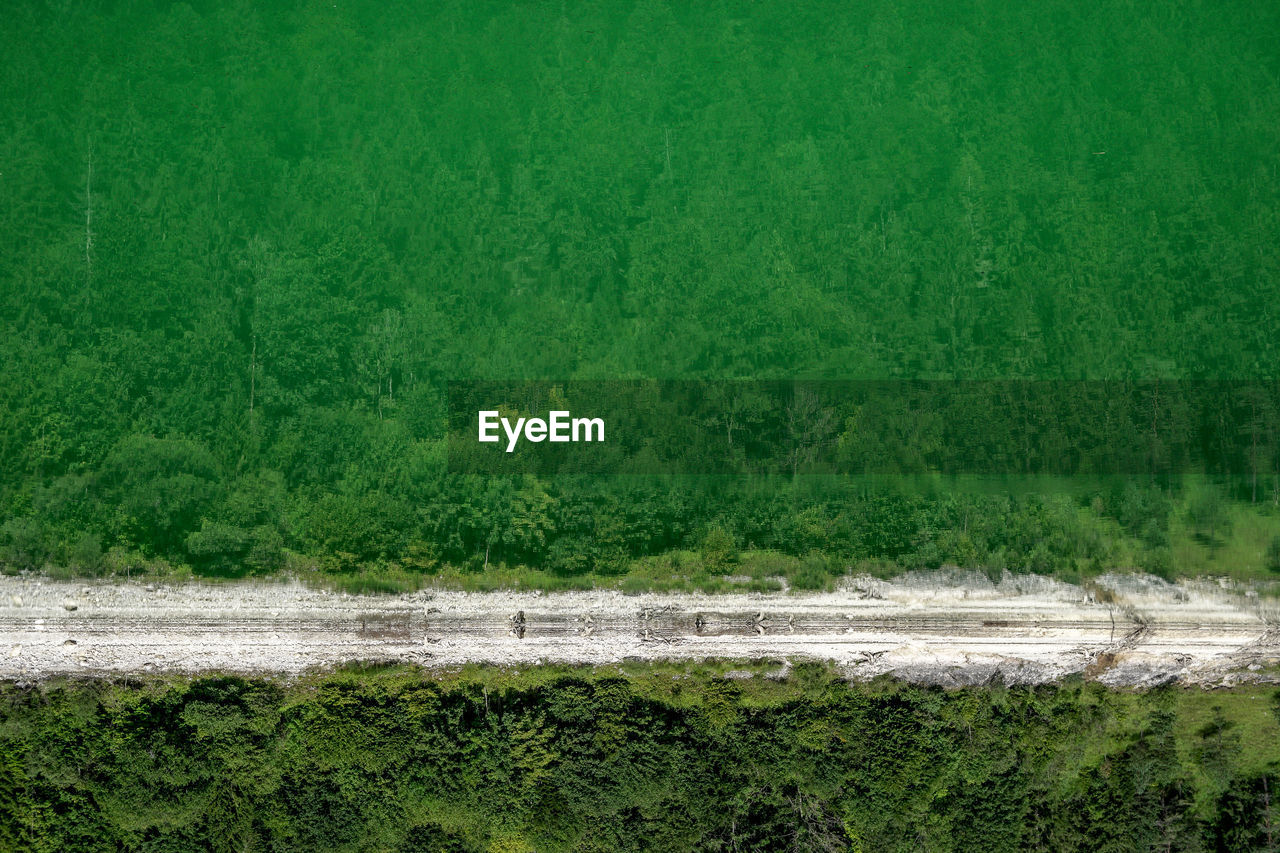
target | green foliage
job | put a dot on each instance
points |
(812, 573)
(675, 759)
(1143, 513)
(23, 543)
(1273, 555)
(225, 549)
(357, 528)
(247, 247)
(717, 548)
(86, 554)
(1208, 515)
(159, 489)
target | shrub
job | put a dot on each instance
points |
(1207, 513)
(718, 551)
(1273, 555)
(813, 572)
(23, 543)
(1159, 562)
(86, 553)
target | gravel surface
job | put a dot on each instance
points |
(947, 628)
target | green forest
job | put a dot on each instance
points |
(382, 760)
(247, 245)
(247, 249)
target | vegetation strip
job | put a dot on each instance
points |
(671, 757)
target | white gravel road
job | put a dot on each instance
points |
(943, 628)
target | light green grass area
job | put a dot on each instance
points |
(1252, 723)
(1246, 552)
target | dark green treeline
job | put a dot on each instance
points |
(246, 244)
(392, 761)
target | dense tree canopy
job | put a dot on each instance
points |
(389, 761)
(246, 245)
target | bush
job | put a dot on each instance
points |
(86, 553)
(718, 551)
(266, 549)
(228, 549)
(1208, 515)
(568, 557)
(1144, 513)
(23, 543)
(1159, 562)
(813, 573)
(765, 585)
(217, 547)
(357, 529)
(1273, 555)
(161, 489)
(766, 564)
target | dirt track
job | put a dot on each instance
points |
(954, 628)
